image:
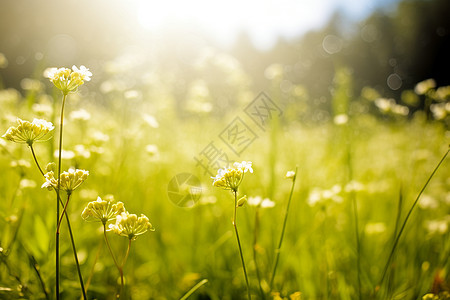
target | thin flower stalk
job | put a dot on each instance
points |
(230, 179)
(83, 290)
(77, 263)
(63, 213)
(61, 124)
(128, 225)
(239, 244)
(35, 160)
(67, 81)
(123, 264)
(114, 258)
(293, 176)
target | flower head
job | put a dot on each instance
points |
(424, 86)
(290, 175)
(68, 80)
(131, 226)
(231, 178)
(102, 210)
(70, 180)
(27, 132)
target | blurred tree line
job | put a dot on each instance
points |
(389, 51)
(412, 42)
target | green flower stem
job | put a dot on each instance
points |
(239, 245)
(277, 251)
(386, 267)
(123, 264)
(63, 212)
(119, 267)
(35, 159)
(83, 290)
(69, 227)
(255, 246)
(109, 246)
(61, 124)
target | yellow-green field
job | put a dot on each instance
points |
(357, 179)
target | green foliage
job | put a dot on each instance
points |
(369, 158)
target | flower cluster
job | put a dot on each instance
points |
(68, 80)
(440, 110)
(131, 226)
(424, 86)
(27, 132)
(126, 224)
(290, 175)
(70, 180)
(231, 178)
(102, 210)
(389, 106)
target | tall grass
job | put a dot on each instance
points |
(326, 247)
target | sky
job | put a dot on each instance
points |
(263, 20)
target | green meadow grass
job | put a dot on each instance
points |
(391, 159)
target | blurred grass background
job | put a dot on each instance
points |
(149, 110)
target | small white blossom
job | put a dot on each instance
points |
(65, 154)
(81, 114)
(424, 86)
(150, 120)
(290, 175)
(340, 119)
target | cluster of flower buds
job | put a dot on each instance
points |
(28, 132)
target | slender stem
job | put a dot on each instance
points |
(42, 172)
(109, 246)
(239, 245)
(127, 253)
(278, 250)
(83, 290)
(123, 264)
(63, 212)
(196, 287)
(119, 268)
(255, 246)
(68, 225)
(407, 217)
(61, 124)
(35, 159)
